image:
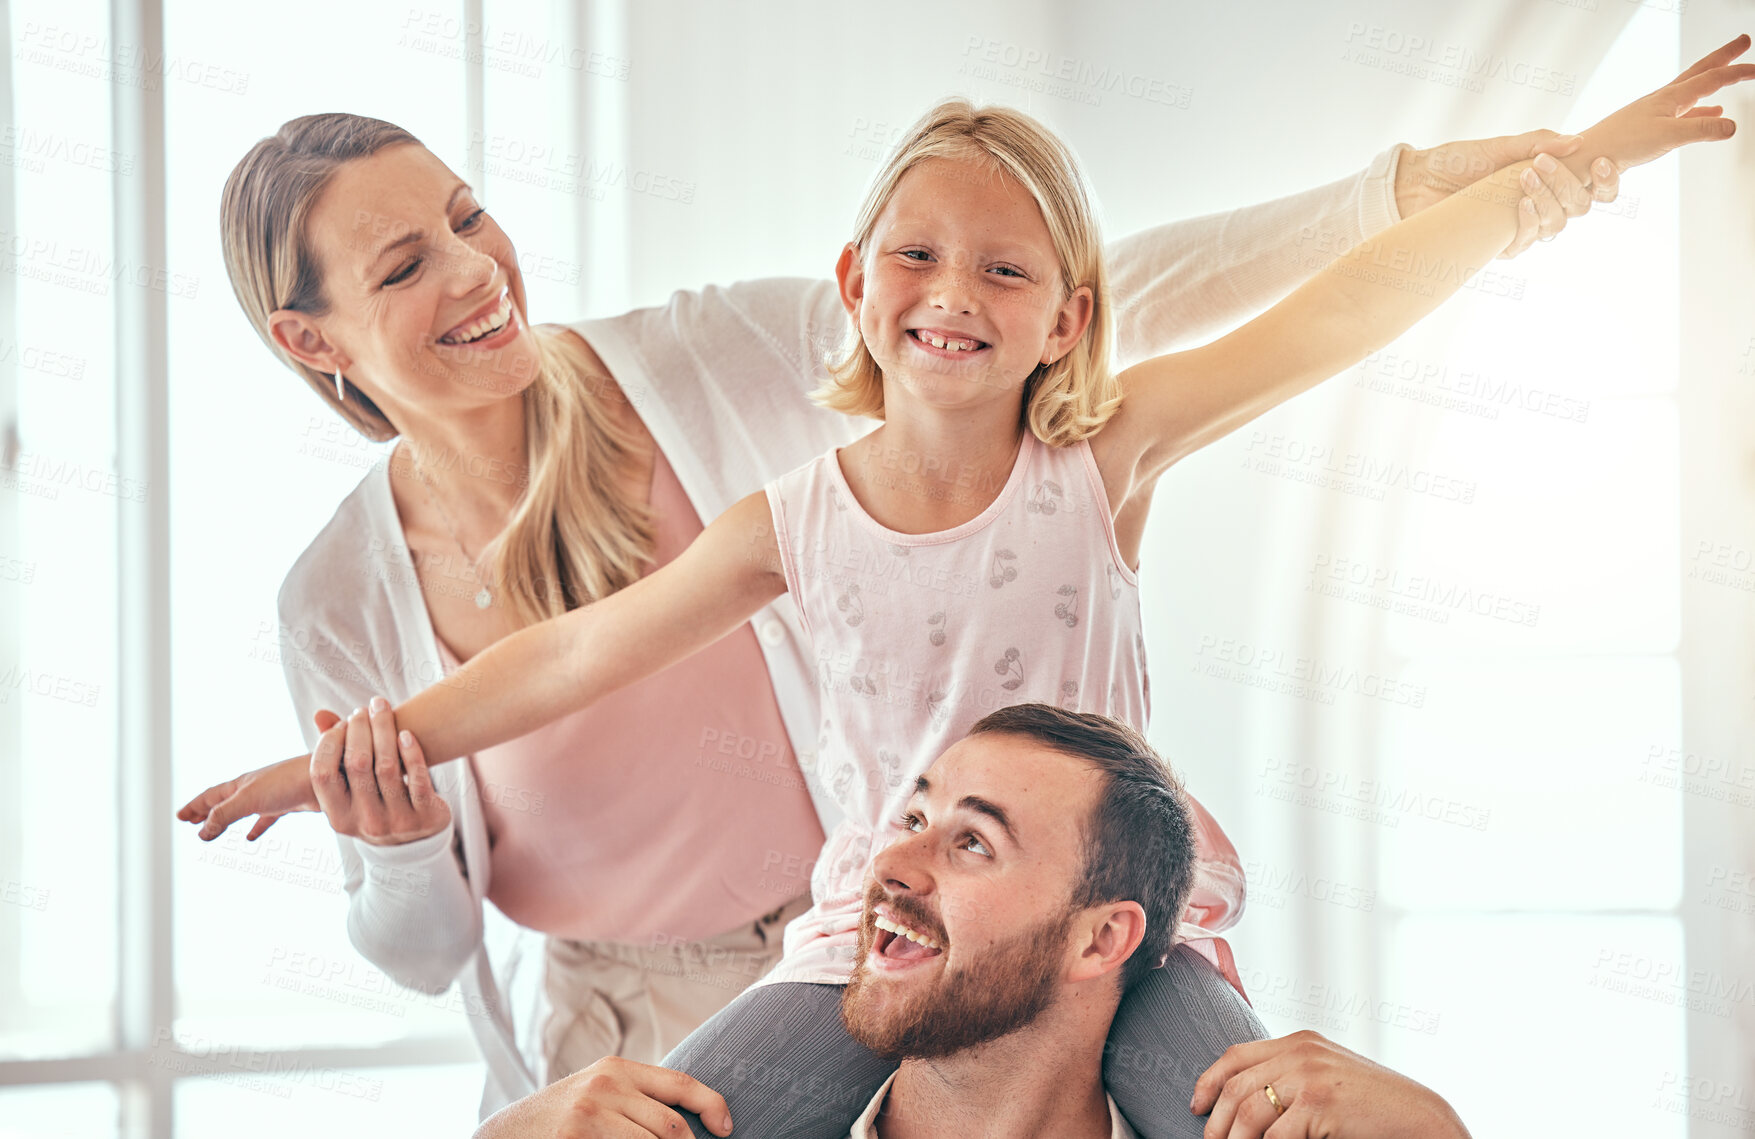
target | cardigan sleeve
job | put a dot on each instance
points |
(1184, 282)
(410, 909)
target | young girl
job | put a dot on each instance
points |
(978, 548)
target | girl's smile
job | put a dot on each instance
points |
(947, 344)
(960, 279)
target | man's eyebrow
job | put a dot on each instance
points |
(993, 811)
(416, 235)
(979, 805)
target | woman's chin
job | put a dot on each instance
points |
(504, 373)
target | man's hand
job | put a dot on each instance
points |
(612, 1099)
(1323, 1090)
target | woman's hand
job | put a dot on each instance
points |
(372, 781)
(1323, 1090)
(612, 1099)
(1651, 127)
(268, 792)
(1426, 177)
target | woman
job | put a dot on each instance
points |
(538, 469)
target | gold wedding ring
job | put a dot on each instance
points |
(1274, 1099)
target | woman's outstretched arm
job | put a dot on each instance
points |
(543, 672)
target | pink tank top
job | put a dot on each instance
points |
(917, 636)
(671, 809)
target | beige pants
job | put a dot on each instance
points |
(612, 998)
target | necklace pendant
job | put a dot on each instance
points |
(484, 598)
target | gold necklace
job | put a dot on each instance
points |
(484, 597)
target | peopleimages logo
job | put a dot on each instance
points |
(1454, 64)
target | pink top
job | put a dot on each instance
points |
(701, 794)
(917, 636)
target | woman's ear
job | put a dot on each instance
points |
(299, 335)
(850, 278)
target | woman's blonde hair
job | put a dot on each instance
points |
(571, 538)
(1065, 401)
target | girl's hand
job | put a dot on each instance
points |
(372, 782)
(268, 792)
(1648, 128)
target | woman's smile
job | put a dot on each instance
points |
(490, 319)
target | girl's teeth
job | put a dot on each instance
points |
(938, 341)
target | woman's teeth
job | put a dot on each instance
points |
(901, 930)
(949, 345)
(486, 326)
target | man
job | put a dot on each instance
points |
(1028, 885)
(1036, 872)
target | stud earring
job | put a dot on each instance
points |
(340, 392)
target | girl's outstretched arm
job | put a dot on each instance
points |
(545, 671)
(1375, 291)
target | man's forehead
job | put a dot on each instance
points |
(1030, 781)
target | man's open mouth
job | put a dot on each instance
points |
(897, 942)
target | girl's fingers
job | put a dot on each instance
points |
(1691, 91)
(224, 813)
(1714, 59)
(196, 809)
(362, 781)
(1701, 112)
(263, 822)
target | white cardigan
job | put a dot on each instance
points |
(719, 377)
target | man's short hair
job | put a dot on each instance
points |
(1139, 838)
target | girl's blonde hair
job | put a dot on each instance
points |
(1065, 401)
(572, 537)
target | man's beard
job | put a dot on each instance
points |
(1005, 990)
